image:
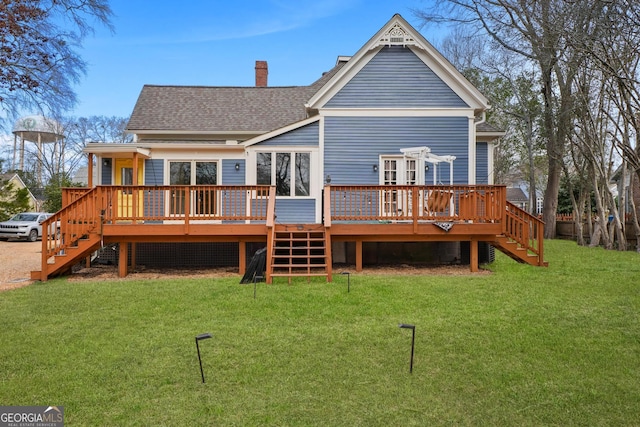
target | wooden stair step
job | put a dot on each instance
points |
(296, 234)
(515, 251)
(299, 274)
(298, 256)
(298, 248)
(300, 266)
(296, 237)
(69, 256)
(299, 251)
(298, 243)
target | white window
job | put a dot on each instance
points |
(204, 200)
(290, 172)
(398, 170)
(193, 173)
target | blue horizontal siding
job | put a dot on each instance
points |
(153, 175)
(396, 78)
(154, 172)
(353, 145)
(107, 171)
(232, 202)
(482, 163)
(295, 211)
(307, 135)
(231, 176)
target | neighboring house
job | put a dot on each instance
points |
(357, 148)
(518, 192)
(623, 187)
(81, 177)
(14, 180)
(518, 198)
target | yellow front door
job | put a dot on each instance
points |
(124, 176)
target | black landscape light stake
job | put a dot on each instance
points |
(255, 281)
(198, 339)
(348, 280)
(413, 341)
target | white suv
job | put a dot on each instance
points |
(26, 225)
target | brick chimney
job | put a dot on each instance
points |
(262, 71)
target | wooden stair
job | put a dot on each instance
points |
(300, 251)
(517, 252)
(72, 254)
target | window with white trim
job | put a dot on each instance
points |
(290, 172)
(191, 172)
(398, 170)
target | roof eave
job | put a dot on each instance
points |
(476, 99)
(193, 132)
(489, 136)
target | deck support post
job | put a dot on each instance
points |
(133, 256)
(242, 257)
(359, 255)
(269, 266)
(473, 255)
(328, 254)
(123, 259)
(43, 257)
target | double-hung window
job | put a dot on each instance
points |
(290, 172)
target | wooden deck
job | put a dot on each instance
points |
(103, 215)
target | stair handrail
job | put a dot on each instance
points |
(525, 229)
(69, 224)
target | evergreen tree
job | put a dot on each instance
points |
(13, 200)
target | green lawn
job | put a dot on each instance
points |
(522, 346)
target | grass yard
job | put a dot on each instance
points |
(522, 346)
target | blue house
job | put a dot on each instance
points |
(389, 147)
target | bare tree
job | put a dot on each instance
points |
(507, 81)
(540, 32)
(60, 160)
(39, 62)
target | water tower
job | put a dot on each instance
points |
(39, 130)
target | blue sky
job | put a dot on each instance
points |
(216, 43)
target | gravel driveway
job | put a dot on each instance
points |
(17, 260)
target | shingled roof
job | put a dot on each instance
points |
(515, 194)
(486, 127)
(225, 109)
(221, 109)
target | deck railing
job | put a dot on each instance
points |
(524, 228)
(71, 194)
(145, 203)
(430, 203)
(473, 203)
(87, 210)
(74, 221)
(185, 203)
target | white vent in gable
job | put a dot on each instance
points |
(396, 36)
